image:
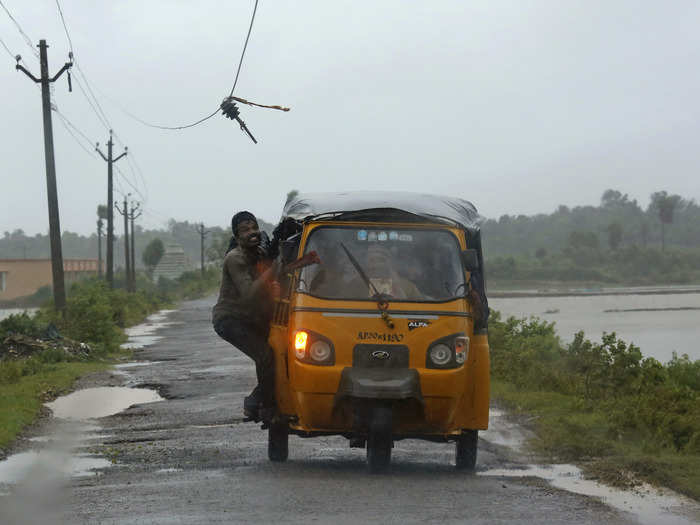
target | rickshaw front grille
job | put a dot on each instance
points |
(380, 356)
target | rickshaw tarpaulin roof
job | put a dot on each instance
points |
(436, 208)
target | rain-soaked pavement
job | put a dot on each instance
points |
(190, 459)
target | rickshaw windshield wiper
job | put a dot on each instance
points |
(382, 299)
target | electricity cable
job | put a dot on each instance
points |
(66, 125)
(185, 126)
(76, 129)
(245, 46)
(91, 98)
(2, 42)
(28, 40)
(65, 28)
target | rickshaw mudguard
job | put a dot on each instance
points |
(379, 383)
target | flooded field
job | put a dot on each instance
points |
(658, 324)
(6, 312)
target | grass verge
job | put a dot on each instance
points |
(21, 401)
(603, 406)
(565, 433)
(96, 315)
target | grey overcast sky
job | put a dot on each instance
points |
(518, 106)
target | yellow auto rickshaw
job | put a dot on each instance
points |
(385, 338)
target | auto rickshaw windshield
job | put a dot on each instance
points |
(416, 265)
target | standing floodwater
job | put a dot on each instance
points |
(658, 324)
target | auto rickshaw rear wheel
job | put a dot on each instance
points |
(379, 439)
(465, 457)
(278, 441)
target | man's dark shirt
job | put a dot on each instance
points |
(242, 295)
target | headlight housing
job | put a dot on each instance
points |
(313, 348)
(448, 352)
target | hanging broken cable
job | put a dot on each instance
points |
(228, 106)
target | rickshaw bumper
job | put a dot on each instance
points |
(379, 383)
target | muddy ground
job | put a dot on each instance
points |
(190, 459)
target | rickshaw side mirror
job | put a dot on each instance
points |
(290, 248)
(470, 260)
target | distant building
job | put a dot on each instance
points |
(22, 277)
(173, 263)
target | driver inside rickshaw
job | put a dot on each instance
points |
(384, 277)
(338, 278)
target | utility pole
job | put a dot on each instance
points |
(99, 248)
(133, 216)
(127, 259)
(110, 206)
(101, 215)
(202, 234)
(59, 287)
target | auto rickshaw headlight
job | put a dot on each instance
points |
(448, 352)
(320, 351)
(440, 354)
(313, 348)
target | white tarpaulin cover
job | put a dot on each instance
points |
(436, 208)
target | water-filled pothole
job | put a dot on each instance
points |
(650, 505)
(22, 465)
(97, 402)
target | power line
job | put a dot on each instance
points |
(133, 164)
(159, 126)
(77, 129)
(28, 40)
(7, 49)
(245, 46)
(133, 187)
(65, 28)
(94, 109)
(91, 98)
(67, 124)
(185, 126)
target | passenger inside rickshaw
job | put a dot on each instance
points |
(409, 265)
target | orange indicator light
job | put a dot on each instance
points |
(300, 339)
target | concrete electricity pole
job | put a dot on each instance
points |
(101, 215)
(99, 248)
(127, 258)
(110, 206)
(202, 234)
(132, 217)
(59, 288)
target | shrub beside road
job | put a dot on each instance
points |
(41, 355)
(601, 404)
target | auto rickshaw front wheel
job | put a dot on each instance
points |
(379, 439)
(465, 457)
(278, 442)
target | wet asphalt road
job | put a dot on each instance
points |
(190, 459)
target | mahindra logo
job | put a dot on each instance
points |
(380, 354)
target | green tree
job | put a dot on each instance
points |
(153, 254)
(614, 235)
(665, 205)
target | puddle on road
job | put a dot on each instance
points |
(168, 470)
(143, 335)
(55, 458)
(100, 402)
(24, 465)
(650, 505)
(135, 364)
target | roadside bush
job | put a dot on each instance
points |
(635, 398)
(20, 324)
(89, 314)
